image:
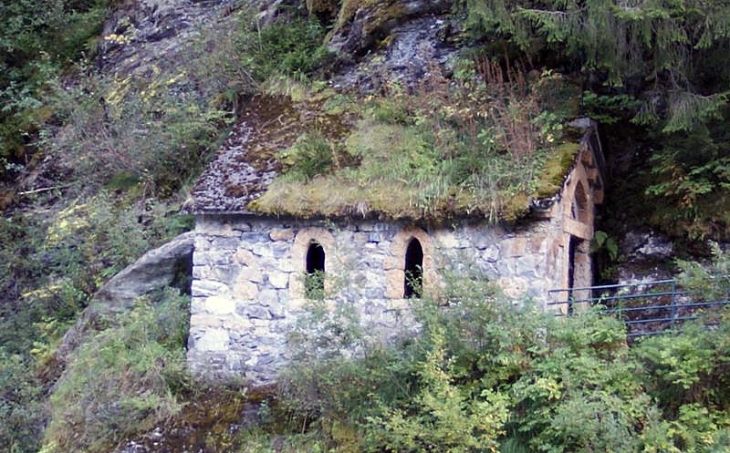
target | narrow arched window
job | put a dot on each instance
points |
(413, 270)
(579, 208)
(314, 279)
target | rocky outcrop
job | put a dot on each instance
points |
(155, 270)
(373, 22)
(648, 257)
(398, 41)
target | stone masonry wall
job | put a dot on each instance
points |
(247, 279)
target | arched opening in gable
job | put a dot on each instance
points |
(579, 207)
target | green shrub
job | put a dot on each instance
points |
(38, 39)
(442, 416)
(143, 131)
(487, 375)
(122, 381)
(293, 48)
(21, 411)
(311, 155)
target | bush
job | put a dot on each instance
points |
(123, 381)
(487, 375)
(293, 48)
(21, 411)
(311, 155)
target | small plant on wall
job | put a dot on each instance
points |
(314, 285)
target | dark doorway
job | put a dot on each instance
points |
(413, 270)
(314, 281)
(576, 272)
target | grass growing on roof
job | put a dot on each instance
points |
(478, 149)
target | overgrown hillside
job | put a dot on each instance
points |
(111, 111)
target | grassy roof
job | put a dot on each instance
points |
(465, 149)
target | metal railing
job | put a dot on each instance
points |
(647, 308)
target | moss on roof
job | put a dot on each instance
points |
(478, 152)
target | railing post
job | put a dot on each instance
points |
(674, 305)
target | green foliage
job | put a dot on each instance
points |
(139, 129)
(653, 68)
(487, 375)
(294, 48)
(707, 281)
(311, 155)
(50, 265)
(123, 381)
(314, 285)
(38, 38)
(658, 42)
(609, 109)
(473, 147)
(602, 241)
(442, 416)
(20, 408)
(690, 176)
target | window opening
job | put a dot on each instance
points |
(579, 207)
(314, 279)
(413, 270)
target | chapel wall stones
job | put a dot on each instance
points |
(247, 290)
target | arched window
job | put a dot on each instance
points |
(579, 208)
(314, 280)
(413, 270)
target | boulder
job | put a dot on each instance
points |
(155, 270)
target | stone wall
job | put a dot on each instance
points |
(248, 272)
(248, 290)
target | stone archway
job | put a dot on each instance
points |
(312, 251)
(413, 281)
(396, 263)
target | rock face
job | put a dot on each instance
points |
(413, 46)
(371, 23)
(648, 257)
(154, 271)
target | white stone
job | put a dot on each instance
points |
(244, 257)
(213, 340)
(281, 234)
(278, 280)
(285, 265)
(263, 250)
(208, 288)
(251, 274)
(447, 239)
(268, 297)
(219, 305)
(245, 290)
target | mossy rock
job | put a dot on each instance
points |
(323, 7)
(557, 166)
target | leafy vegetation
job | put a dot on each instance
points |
(655, 69)
(123, 381)
(39, 38)
(477, 148)
(488, 375)
(120, 155)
